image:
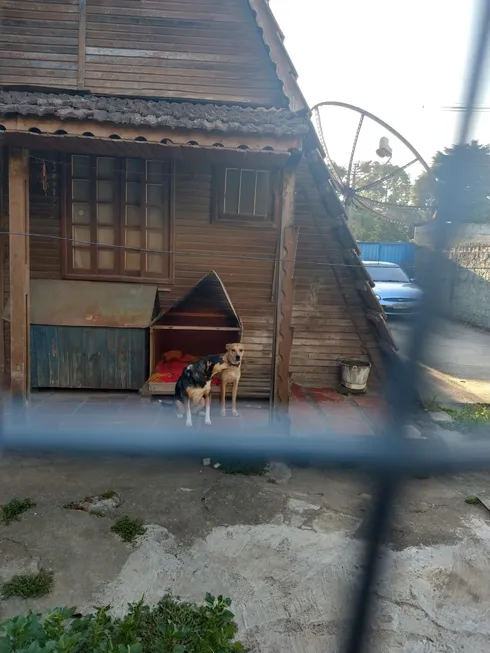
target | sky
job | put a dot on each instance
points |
(403, 60)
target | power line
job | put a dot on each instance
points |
(214, 254)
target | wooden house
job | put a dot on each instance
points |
(151, 144)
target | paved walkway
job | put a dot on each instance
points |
(456, 369)
(312, 410)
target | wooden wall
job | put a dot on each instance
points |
(191, 49)
(201, 247)
(329, 317)
(39, 43)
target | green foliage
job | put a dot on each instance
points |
(15, 507)
(169, 627)
(471, 417)
(243, 467)
(366, 227)
(463, 174)
(29, 586)
(396, 190)
(128, 529)
(110, 494)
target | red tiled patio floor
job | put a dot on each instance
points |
(325, 410)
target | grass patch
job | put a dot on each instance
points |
(128, 529)
(244, 467)
(29, 586)
(473, 501)
(110, 494)
(12, 510)
(471, 417)
(169, 627)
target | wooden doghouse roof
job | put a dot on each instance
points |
(207, 297)
(92, 303)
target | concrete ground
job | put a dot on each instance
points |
(287, 552)
(321, 410)
(456, 369)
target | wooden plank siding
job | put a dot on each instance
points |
(187, 49)
(201, 246)
(39, 43)
(329, 318)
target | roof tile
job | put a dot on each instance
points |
(155, 113)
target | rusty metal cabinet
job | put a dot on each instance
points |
(97, 358)
(90, 335)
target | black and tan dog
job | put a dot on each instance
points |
(193, 389)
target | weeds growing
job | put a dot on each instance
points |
(29, 586)
(128, 529)
(12, 510)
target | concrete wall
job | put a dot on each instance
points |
(465, 280)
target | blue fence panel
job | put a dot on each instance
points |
(403, 254)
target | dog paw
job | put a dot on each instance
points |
(207, 422)
(188, 425)
(223, 412)
(235, 413)
(180, 416)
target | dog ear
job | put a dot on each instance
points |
(228, 347)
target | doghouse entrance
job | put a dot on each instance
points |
(200, 323)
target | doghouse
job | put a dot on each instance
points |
(202, 322)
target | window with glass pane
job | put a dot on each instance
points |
(118, 218)
(245, 194)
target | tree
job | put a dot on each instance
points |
(396, 189)
(463, 182)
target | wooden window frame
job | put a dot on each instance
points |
(270, 221)
(68, 272)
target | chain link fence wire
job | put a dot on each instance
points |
(391, 457)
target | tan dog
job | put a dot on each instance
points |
(231, 374)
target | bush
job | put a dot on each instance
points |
(169, 627)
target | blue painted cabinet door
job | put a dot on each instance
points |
(95, 358)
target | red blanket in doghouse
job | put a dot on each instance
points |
(169, 369)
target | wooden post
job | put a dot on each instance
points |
(19, 271)
(3, 251)
(284, 297)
